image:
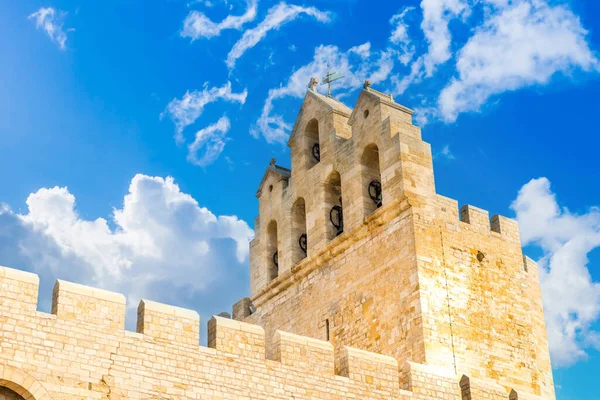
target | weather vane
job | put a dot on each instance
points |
(331, 76)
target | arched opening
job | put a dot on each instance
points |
(7, 394)
(371, 179)
(299, 234)
(16, 385)
(312, 143)
(333, 201)
(272, 251)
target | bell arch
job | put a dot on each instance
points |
(312, 143)
(299, 232)
(23, 384)
(272, 256)
(333, 205)
(370, 171)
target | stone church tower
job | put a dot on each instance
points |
(354, 246)
(365, 284)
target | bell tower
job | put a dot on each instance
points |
(354, 246)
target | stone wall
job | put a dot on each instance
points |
(481, 299)
(357, 292)
(81, 351)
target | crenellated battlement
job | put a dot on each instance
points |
(88, 305)
(82, 351)
(477, 219)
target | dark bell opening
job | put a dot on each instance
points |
(375, 192)
(303, 243)
(316, 152)
(337, 219)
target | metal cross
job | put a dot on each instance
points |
(331, 76)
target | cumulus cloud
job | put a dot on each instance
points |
(212, 140)
(571, 297)
(197, 25)
(521, 45)
(277, 16)
(159, 238)
(356, 65)
(185, 111)
(50, 21)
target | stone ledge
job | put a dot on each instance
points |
(18, 275)
(149, 305)
(75, 288)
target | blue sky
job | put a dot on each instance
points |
(133, 135)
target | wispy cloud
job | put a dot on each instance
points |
(571, 298)
(212, 140)
(522, 45)
(185, 111)
(400, 38)
(444, 153)
(437, 15)
(197, 25)
(51, 21)
(356, 65)
(513, 45)
(275, 18)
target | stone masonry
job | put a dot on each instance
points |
(355, 293)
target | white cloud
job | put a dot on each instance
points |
(399, 36)
(424, 114)
(277, 16)
(571, 298)
(522, 45)
(212, 139)
(50, 21)
(445, 153)
(362, 50)
(197, 25)
(162, 238)
(437, 15)
(185, 111)
(356, 65)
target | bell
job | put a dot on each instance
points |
(302, 242)
(337, 219)
(375, 192)
(316, 152)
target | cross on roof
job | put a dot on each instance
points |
(331, 76)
